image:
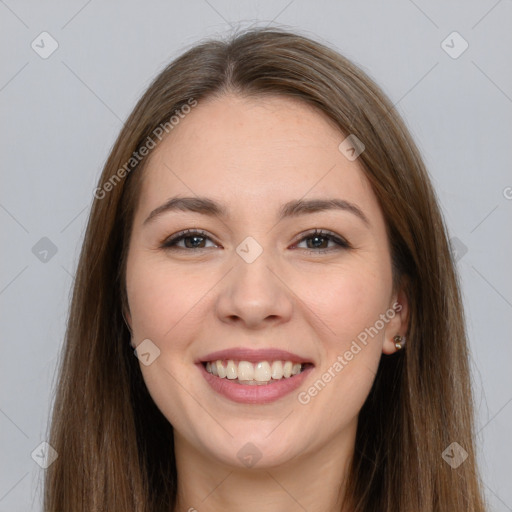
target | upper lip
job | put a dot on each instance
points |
(254, 356)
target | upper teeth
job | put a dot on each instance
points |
(264, 371)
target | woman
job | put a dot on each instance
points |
(266, 237)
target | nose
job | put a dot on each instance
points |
(254, 295)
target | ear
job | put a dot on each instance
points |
(399, 321)
(127, 317)
(128, 320)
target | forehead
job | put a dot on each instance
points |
(254, 152)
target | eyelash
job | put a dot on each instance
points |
(170, 243)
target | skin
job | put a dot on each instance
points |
(254, 155)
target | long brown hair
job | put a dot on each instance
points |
(116, 448)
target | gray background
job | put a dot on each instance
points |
(60, 117)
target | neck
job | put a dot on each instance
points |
(310, 481)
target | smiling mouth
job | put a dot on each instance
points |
(254, 374)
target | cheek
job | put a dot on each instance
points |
(161, 297)
(350, 304)
(165, 305)
(348, 299)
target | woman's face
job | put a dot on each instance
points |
(255, 177)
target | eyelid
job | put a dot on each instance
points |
(340, 241)
(324, 233)
(185, 233)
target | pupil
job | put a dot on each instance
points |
(195, 238)
(316, 239)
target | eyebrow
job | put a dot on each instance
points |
(295, 208)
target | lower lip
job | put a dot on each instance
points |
(256, 394)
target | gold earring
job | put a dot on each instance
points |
(399, 341)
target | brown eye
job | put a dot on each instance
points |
(191, 240)
(318, 242)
